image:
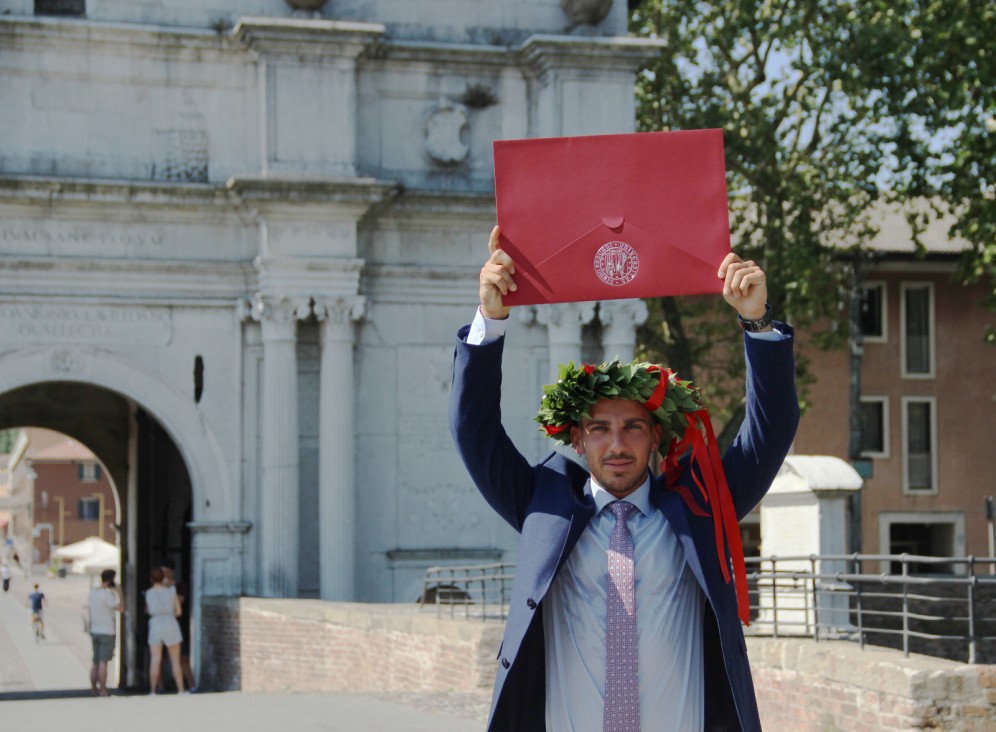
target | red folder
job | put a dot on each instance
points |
(608, 217)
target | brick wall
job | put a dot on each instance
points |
(308, 645)
(262, 645)
(220, 664)
(807, 686)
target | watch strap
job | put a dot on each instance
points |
(760, 324)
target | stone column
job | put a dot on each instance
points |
(563, 323)
(620, 319)
(279, 498)
(336, 449)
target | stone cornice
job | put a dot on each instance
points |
(422, 202)
(307, 37)
(134, 280)
(219, 527)
(325, 196)
(451, 54)
(32, 189)
(308, 281)
(419, 284)
(124, 38)
(276, 190)
(544, 53)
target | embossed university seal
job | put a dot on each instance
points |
(616, 263)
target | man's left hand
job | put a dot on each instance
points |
(744, 286)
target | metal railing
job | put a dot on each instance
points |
(479, 591)
(939, 606)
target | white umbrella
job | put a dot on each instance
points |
(107, 557)
(83, 549)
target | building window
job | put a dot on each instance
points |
(89, 472)
(923, 535)
(60, 7)
(874, 418)
(872, 318)
(920, 443)
(918, 329)
(89, 509)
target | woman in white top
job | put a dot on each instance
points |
(163, 607)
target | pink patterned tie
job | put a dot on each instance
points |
(622, 690)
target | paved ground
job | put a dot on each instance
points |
(45, 686)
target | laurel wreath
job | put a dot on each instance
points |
(668, 398)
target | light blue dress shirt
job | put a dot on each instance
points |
(669, 609)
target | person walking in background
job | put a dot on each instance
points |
(182, 594)
(5, 576)
(163, 607)
(36, 601)
(103, 603)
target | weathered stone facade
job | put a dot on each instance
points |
(236, 241)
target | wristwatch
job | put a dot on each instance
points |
(760, 324)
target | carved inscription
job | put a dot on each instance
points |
(47, 323)
(63, 239)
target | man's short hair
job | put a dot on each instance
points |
(108, 575)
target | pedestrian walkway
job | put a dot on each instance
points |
(60, 662)
(46, 685)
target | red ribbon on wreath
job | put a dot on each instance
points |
(712, 485)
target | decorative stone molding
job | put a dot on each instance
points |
(543, 54)
(307, 37)
(338, 314)
(277, 309)
(586, 12)
(184, 147)
(565, 316)
(563, 323)
(443, 131)
(219, 527)
(66, 361)
(307, 5)
(620, 319)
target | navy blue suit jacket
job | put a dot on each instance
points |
(547, 505)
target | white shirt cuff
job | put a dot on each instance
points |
(768, 335)
(485, 330)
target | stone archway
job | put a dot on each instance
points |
(154, 444)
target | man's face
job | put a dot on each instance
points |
(617, 441)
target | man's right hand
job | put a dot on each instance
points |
(496, 280)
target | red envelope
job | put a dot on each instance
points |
(608, 217)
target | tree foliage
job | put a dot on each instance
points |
(829, 107)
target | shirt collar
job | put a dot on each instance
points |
(639, 498)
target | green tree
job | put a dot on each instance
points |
(825, 115)
(7, 440)
(938, 70)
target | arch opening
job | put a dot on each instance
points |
(152, 491)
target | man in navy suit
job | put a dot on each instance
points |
(692, 671)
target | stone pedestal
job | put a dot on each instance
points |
(805, 515)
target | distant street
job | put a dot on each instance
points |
(46, 686)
